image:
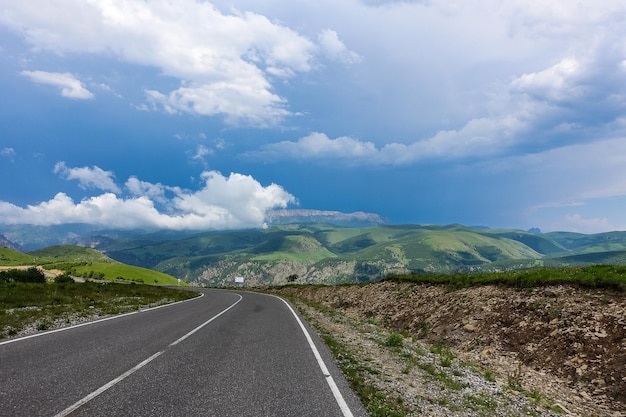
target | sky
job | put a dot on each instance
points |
(204, 115)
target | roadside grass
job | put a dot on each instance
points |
(356, 370)
(597, 276)
(25, 307)
(378, 403)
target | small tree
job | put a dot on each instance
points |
(292, 278)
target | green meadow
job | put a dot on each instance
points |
(27, 308)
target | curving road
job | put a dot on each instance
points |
(224, 354)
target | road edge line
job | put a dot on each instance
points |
(88, 323)
(341, 402)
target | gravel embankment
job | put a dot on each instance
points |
(546, 351)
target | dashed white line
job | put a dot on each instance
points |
(126, 374)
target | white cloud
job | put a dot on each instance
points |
(580, 224)
(236, 201)
(226, 62)
(241, 102)
(8, 152)
(318, 146)
(479, 138)
(70, 86)
(554, 83)
(201, 152)
(334, 48)
(578, 98)
(140, 188)
(94, 177)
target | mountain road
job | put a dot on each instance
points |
(226, 353)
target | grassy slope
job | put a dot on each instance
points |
(581, 243)
(81, 261)
(9, 257)
(123, 272)
(292, 247)
(68, 253)
(445, 249)
(540, 243)
(429, 248)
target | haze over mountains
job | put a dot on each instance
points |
(26, 237)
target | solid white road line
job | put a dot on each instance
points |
(89, 323)
(111, 383)
(320, 362)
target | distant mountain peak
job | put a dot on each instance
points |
(355, 219)
(6, 243)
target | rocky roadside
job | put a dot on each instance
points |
(489, 350)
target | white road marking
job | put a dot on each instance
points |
(345, 409)
(89, 323)
(111, 383)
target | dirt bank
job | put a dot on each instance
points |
(565, 342)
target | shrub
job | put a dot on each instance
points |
(394, 340)
(33, 275)
(63, 279)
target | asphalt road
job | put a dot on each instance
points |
(224, 354)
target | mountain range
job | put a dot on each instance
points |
(328, 253)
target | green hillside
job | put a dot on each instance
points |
(541, 243)
(84, 262)
(69, 253)
(122, 272)
(291, 247)
(446, 250)
(9, 257)
(323, 253)
(578, 242)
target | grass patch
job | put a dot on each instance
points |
(394, 340)
(445, 354)
(376, 402)
(489, 376)
(597, 276)
(44, 306)
(482, 403)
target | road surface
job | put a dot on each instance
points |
(224, 354)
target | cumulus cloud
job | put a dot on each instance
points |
(334, 48)
(226, 62)
(70, 86)
(245, 103)
(88, 177)
(317, 146)
(581, 97)
(479, 137)
(224, 202)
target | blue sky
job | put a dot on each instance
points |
(192, 114)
